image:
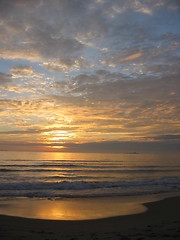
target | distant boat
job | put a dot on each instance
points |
(133, 153)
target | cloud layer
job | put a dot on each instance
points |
(80, 72)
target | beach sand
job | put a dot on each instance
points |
(160, 221)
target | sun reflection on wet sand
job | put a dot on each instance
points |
(70, 209)
(78, 208)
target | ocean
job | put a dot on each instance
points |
(55, 175)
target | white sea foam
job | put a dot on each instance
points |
(77, 188)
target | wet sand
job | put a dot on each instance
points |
(160, 221)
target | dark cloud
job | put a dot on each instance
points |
(5, 78)
(38, 38)
(174, 137)
(125, 147)
(61, 30)
(35, 131)
(113, 86)
(103, 147)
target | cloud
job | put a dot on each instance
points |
(37, 130)
(24, 80)
(22, 70)
(5, 78)
(34, 39)
(169, 137)
(110, 105)
(125, 147)
(62, 66)
(115, 87)
(59, 35)
(96, 147)
(87, 71)
(121, 58)
(26, 73)
(132, 57)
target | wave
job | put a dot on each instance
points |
(80, 185)
(88, 170)
(67, 165)
(88, 189)
(60, 160)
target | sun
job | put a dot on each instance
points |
(55, 138)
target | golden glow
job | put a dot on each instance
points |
(70, 209)
(58, 147)
(133, 56)
(59, 135)
(56, 138)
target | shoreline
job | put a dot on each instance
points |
(79, 208)
(160, 221)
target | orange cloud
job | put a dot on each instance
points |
(133, 56)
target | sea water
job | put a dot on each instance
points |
(55, 175)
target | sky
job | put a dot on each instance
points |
(90, 75)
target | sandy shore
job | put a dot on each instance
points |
(161, 221)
